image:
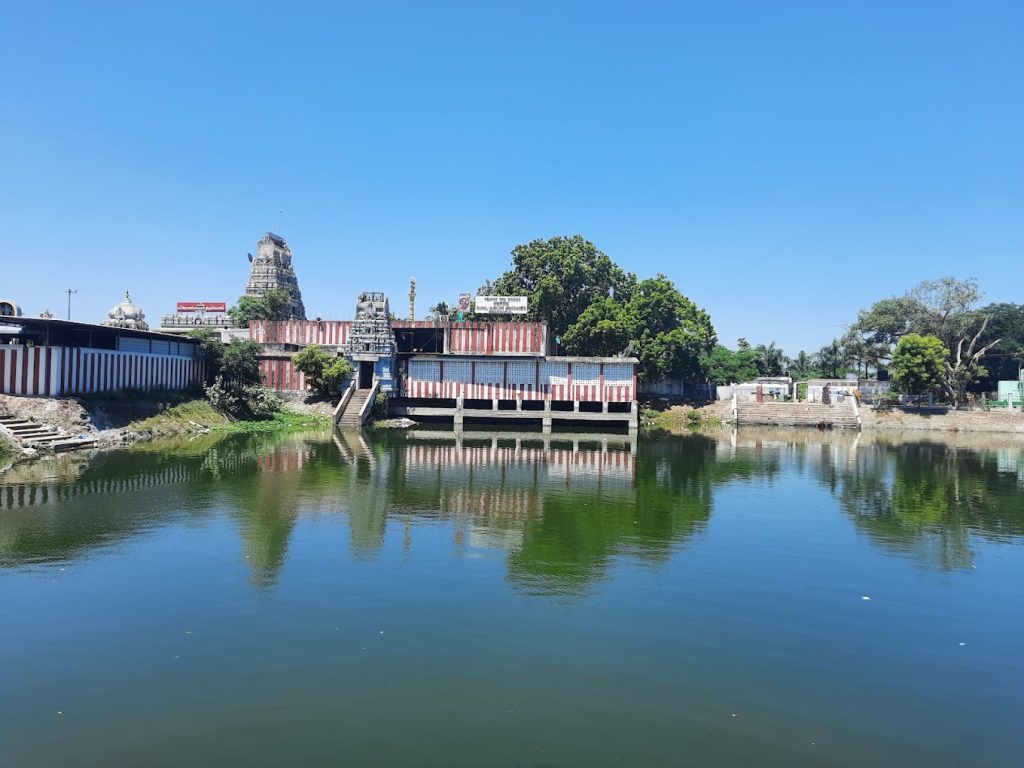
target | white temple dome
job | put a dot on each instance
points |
(127, 315)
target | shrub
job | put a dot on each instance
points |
(325, 372)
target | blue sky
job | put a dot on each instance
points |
(785, 163)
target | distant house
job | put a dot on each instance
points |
(772, 387)
(838, 389)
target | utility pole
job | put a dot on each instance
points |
(69, 291)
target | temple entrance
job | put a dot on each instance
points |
(365, 374)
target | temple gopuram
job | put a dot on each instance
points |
(127, 314)
(272, 268)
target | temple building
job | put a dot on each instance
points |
(127, 314)
(272, 268)
(454, 371)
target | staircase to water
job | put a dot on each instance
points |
(350, 418)
(29, 434)
(840, 415)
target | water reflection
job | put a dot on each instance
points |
(560, 508)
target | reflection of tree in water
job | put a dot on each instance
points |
(927, 499)
(267, 494)
(74, 504)
(574, 541)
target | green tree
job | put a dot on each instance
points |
(771, 361)
(667, 332)
(561, 277)
(324, 371)
(1003, 363)
(723, 366)
(670, 333)
(918, 364)
(211, 350)
(942, 308)
(602, 330)
(802, 365)
(832, 360)
(236, 389)
(964, 367)
(440, 311)
(240, 362)
(272, 305)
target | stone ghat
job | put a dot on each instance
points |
(840, 415)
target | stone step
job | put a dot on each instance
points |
(72, 445)
(797, 414)
(29, 433)
(350, 416)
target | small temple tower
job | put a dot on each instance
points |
(127, 315)
(272, 268)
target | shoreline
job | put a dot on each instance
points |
(934, 420)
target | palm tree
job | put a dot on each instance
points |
(770, 360)
(439, 311)
(832, 359)
(801, 364)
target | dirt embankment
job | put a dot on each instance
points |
(943, 420)
(894, 420)
(117, 421)
(63, 413)
(107, 422)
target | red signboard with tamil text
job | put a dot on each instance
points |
(202, 306)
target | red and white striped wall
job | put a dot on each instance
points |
(54, 371)
(504, 338)
(280, 375)
(476, 338)
(326, 333)
(512, 379)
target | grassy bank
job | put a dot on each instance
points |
(676, 418)
(197, 413)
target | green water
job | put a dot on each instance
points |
(417, 599)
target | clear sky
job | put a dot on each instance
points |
(785, 163)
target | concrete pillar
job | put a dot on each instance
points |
(634, 416)
(604, 406)
(519, 404)
(494, 404)
(459, 412)
(546, 420)
(576, 406)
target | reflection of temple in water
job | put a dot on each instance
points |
(508, 475)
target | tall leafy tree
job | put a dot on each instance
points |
(918, 364)
(941, 308)
(602, 330)
(1004, 361)
(724, 366)
(272, 305)
(664, 329)
(561, 277)
(211, 350)
(669, 332)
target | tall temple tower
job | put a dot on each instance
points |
(272, 268)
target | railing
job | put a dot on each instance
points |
(345, 397)
(856, 411)
(197, 321)
(364, 412)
